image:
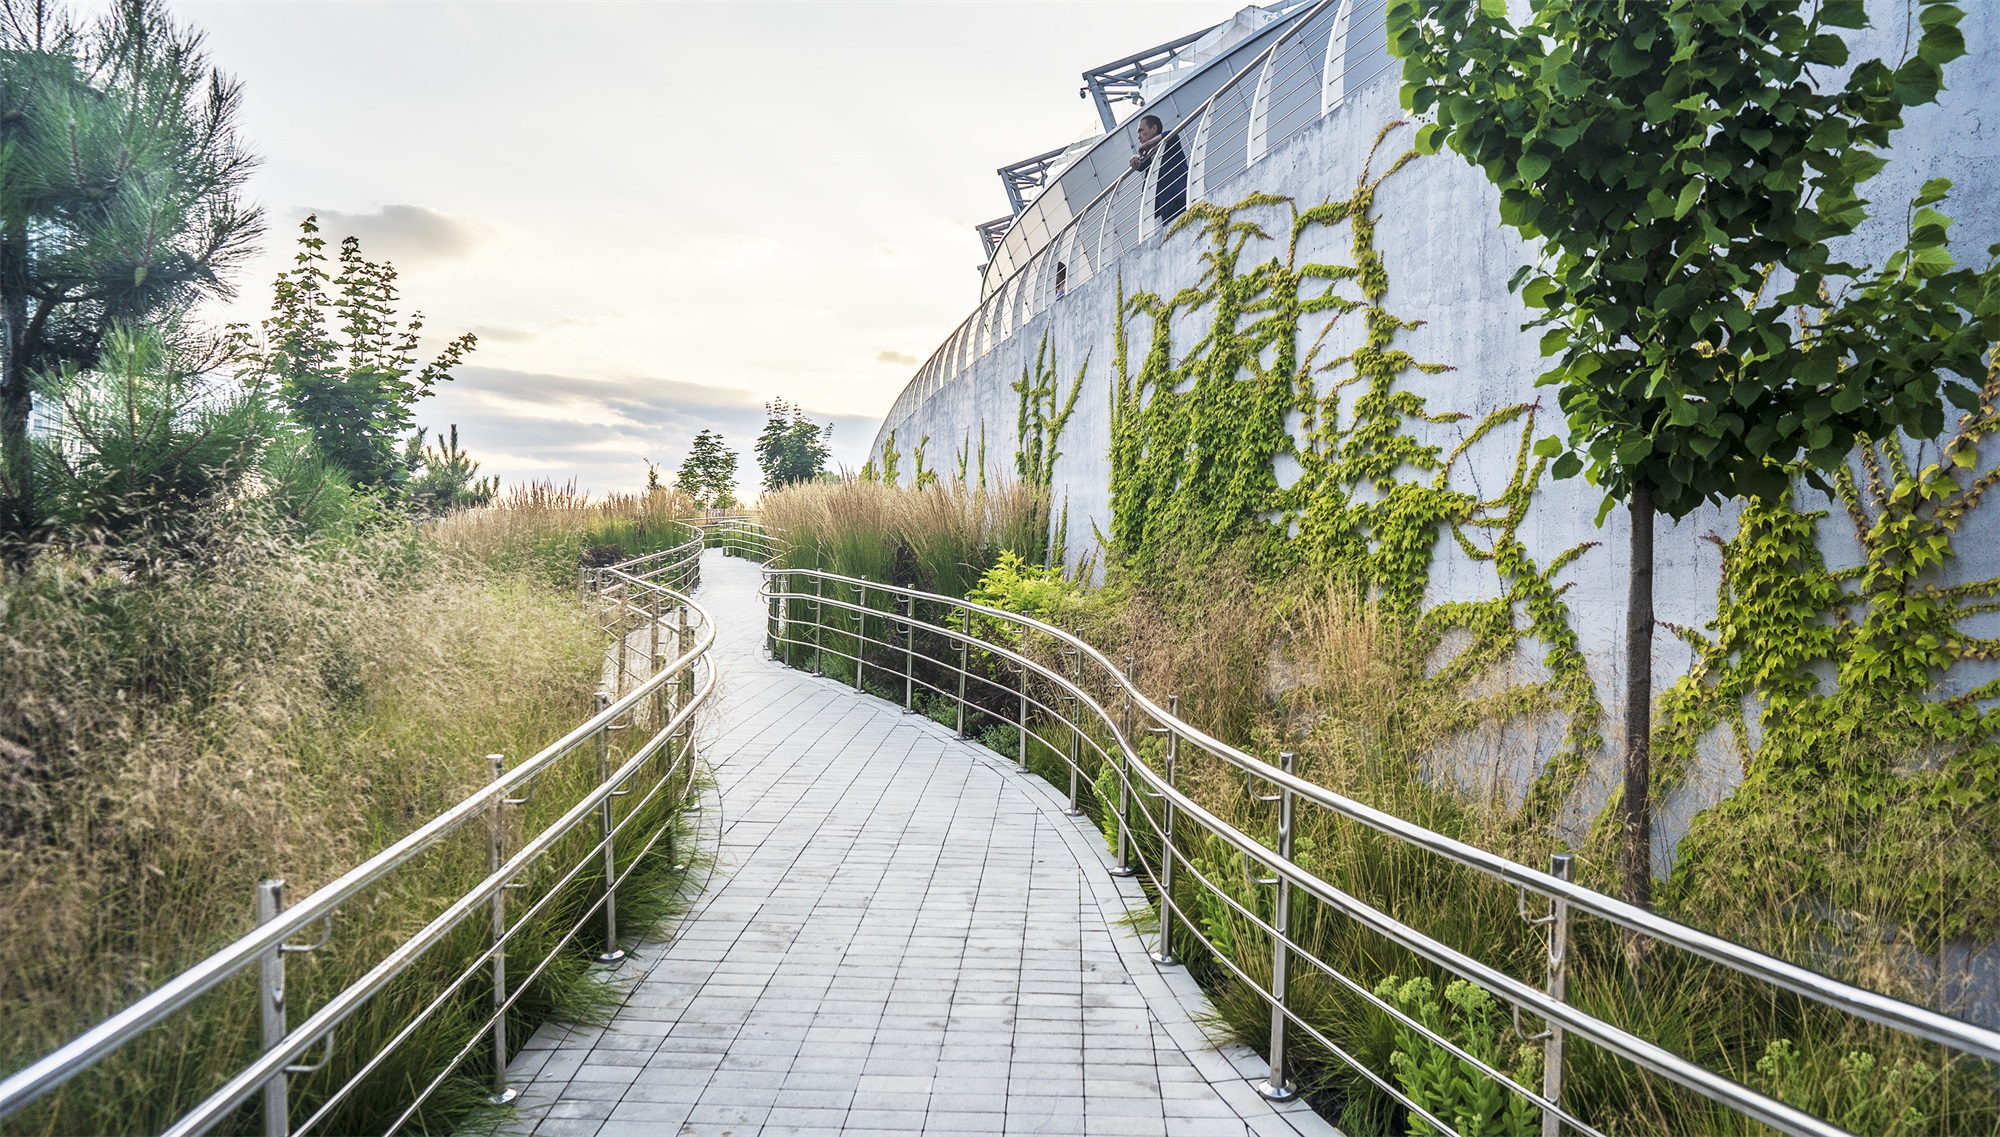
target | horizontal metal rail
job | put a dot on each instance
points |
(668, 696)
(830, 617)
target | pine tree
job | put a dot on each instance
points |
(121, 176)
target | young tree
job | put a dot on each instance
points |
(1688, 168)
(708, 476)
(445, 477)
(792, 448)
(121, 176)
(344, 364)
(140, 450)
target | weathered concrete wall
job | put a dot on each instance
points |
(1448, 261)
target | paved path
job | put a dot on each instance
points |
(902, 935)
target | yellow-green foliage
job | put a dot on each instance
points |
(1196, 431)
(1039, 426)
(1449, 1088)
(1866, 791)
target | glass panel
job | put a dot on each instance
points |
(1367, 45)
(1293, 99)
(1223, 157)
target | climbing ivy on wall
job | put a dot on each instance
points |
(1196, 437)
(1894, 790)
(1040, 424)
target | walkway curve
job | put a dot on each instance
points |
(903, 935)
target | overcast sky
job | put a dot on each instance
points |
(657, 216)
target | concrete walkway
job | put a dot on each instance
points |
(902, 935)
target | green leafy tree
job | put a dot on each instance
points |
(344, 364)
(708, 475)
(1688, 168)
(121, 176)
(792, 448)
(444, 477)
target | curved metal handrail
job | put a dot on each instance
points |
(1136, 774)
(30, 1083)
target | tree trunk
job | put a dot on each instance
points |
(17, 489)
(1636, 860)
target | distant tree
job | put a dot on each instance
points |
(121, 176)
(792, 448)
(344, 365)
(1688, 168)
(708, 476)
(444, 477)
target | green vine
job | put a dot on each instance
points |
(1195, 443)
(1896, 791)
(888, 472)
(1040, 423)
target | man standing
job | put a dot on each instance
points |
(1170, 189)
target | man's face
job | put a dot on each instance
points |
(1147, 132)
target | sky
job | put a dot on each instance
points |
(656, 217)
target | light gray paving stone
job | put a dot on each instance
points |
(902, 934)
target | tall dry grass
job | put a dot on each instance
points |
(940, 538)
(1312, 666)
(1315, 668)
(284, 711)
(548, 529)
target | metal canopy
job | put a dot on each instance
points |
(990, 233)
(1119, 80)
(1025, 178)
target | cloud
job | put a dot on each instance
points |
(522, 425)
(405, 234)
(896, 357)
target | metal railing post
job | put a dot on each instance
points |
(819, 625)
(496, 855)
(1021, 759)
(624, 632)
(778, 619)
(909, 654)
(860, 631)
(1075, 732)
(271, 991)
(683, 694)
(1124, 865)
(612, 953)
(1561, 865)
(964, 663)
(1164, 954)
(1278, 1087)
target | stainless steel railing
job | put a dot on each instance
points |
(1076, 704)
(658, 676)
(1328, 53)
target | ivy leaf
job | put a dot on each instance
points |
(1933, 192)
(1690, 193)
